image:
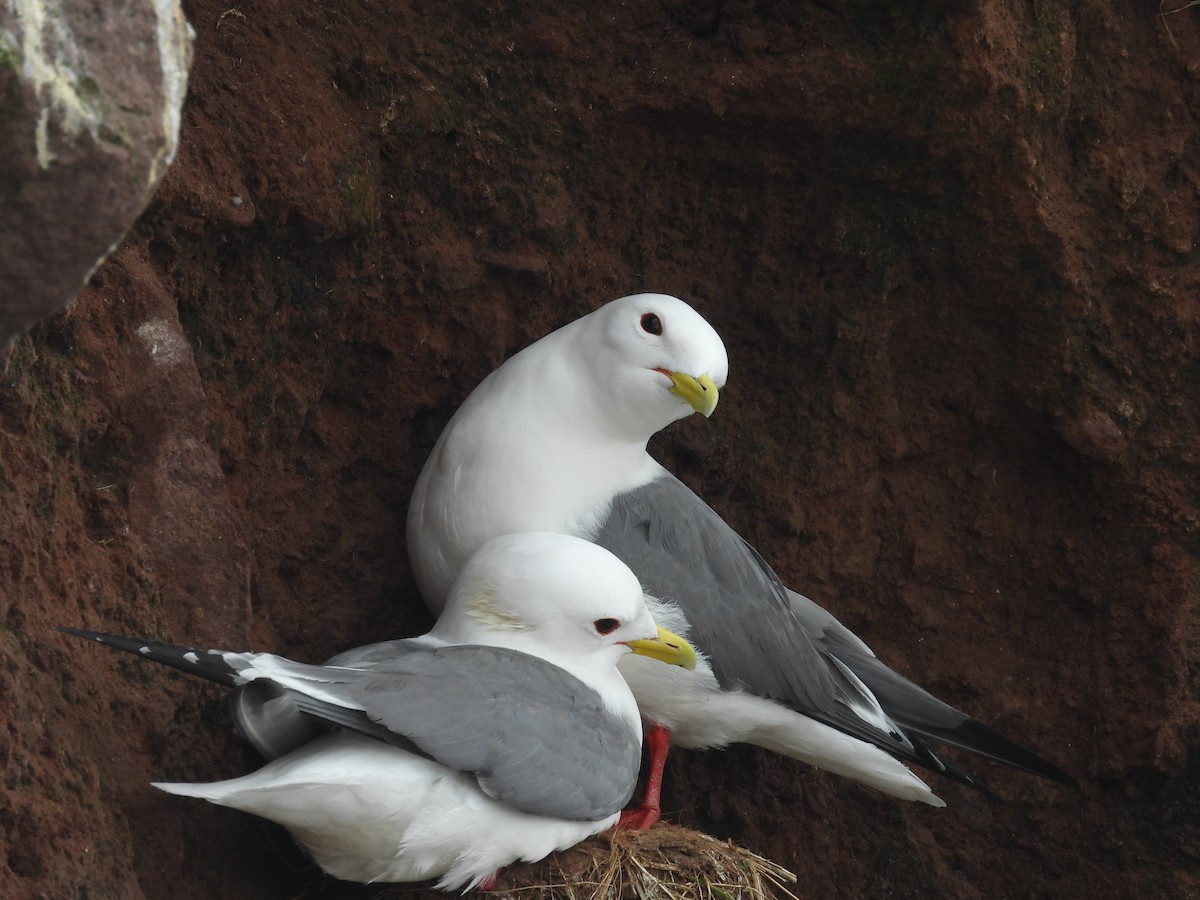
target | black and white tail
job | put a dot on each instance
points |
(221, 666)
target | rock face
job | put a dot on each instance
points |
(91, 95)
(951, 247)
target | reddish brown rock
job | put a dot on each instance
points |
(1093, 433)
(933, 235)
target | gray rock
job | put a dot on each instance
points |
(91, 94)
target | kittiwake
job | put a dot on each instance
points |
(555, 440)
(502, 734)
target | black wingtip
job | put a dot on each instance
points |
(120, 642)
(975, 737)
(934, 761)
(989, 742)
(208, 664)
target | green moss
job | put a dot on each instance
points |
(10, 53)
(87, 89)
(112, 137)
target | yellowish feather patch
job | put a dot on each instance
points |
(481, 605)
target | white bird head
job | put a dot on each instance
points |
(547, 439)
(650, 359)
(562, 598)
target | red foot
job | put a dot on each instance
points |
(638, 819)
(489, 883)
(658, 741)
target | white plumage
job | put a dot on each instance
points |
(555, 440)
(368, 812)
(503, 734)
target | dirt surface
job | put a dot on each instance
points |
(951, 247)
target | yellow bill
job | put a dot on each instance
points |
(668, 647)
(700, 393)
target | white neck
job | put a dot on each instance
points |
(497, 444)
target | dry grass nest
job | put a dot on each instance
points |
(667, 862)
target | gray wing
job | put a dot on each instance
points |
(370, 655)
(535, 736)
(779, 644)
(276, 720)
(739, 613)
(737, 609)
(911, 705)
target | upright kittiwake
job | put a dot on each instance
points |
(555, 440)
(503, 734)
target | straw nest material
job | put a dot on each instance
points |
(667, 862)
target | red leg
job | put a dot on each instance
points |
(658, 741)
(489, 883)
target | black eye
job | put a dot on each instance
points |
(651, 324)
(606, 626)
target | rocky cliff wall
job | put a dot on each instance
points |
(950, 245)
